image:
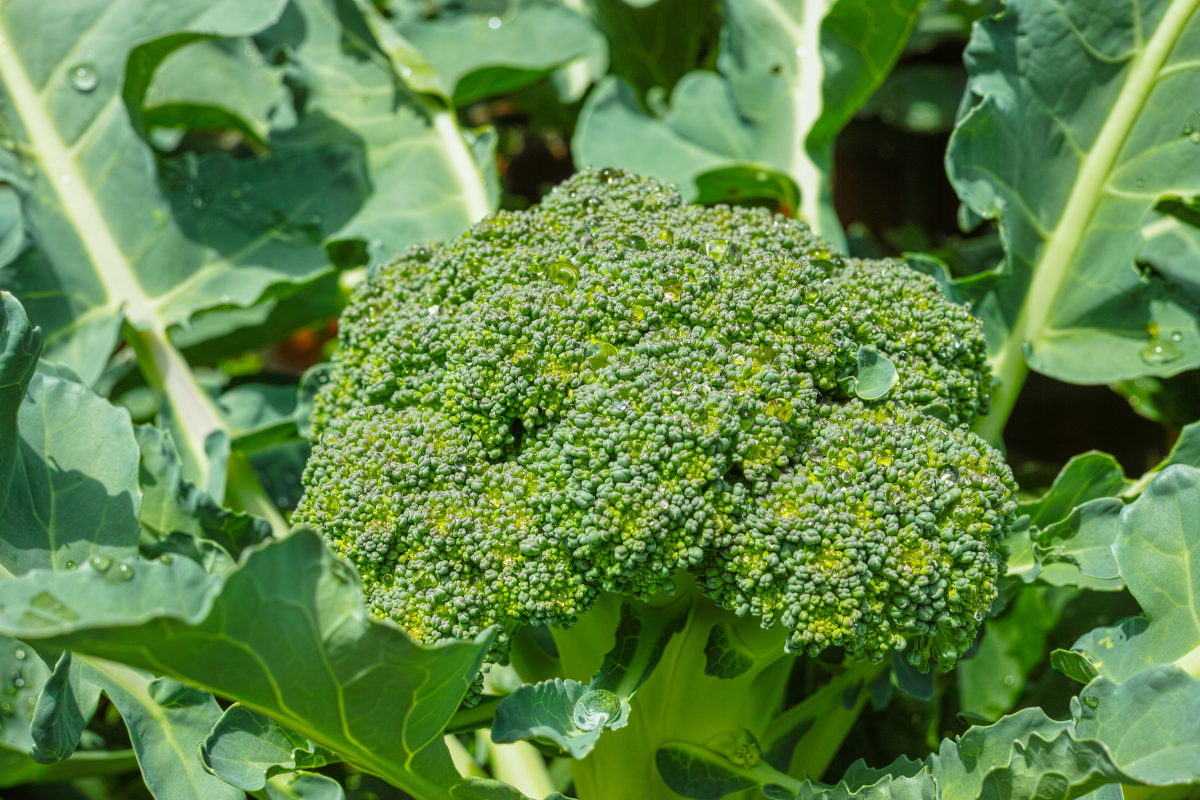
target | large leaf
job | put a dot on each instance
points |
(287, 635)
(1071, 130)
(102, 233)
(790, 76)
(1157, 551)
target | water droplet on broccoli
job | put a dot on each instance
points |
(1158, 352)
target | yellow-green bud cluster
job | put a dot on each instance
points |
(599, 392)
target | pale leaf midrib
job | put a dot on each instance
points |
(1064, 241)
(63, 175)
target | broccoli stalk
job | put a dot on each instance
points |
(716, 692)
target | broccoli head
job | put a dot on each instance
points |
(615, 387)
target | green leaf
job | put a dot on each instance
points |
(172, 505)
(167, 721)
(1155, 550)
(1148, 723)
(64, 708)
(246, 748)
(259, 415)
(747, 186)
(22, 676)
(1085, 477)
(572, 715)
(1069, 134)
(479, 52)
(430, 181)
(17, 768)
(1077, 551)
(304, 786)
(790, 77)
(725, 656)
(1074, 665)
(921, 98)
(545, 712)
(104, 241)
(286, 635)
(74, 486)
(694, 771)
(1012, 647)
(20, 345)
(214, 84)
(874, 374)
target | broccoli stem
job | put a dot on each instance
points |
(678, 702)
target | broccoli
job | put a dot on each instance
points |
(617, 393)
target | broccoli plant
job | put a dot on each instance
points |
(620, 404)
(358, 441)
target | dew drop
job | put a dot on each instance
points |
(494, 23)
(949, 476)
(1176, 337)
(716, 249)
(1141, 183)
(1158, 352)
(609, 174)
(672, 289)
(85, 77)
(19, 654)
(565, 274)
(636, 242)
(780, 409)
(1091, 702)
(100, 563)
(124, 572)
(556, 298)
(598, 353)
(763, 355)
(596, 709)
(71, 565)
(165, 558)
(666, 234)
(1195, 137)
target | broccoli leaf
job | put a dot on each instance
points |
(354, 67)
(287, 635)
(74, 487)
(304, 786)
(790, 77)
(724, 655)
(17, 768)
(1155, 552)
(1085, 477)
(167, 721)
(484, 51)
(572, 715)
(246, 749)
(65, 706)
(1069, 135)
(22, 676)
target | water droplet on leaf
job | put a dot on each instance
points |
(100, 563)
(85, 77)
(596, 709)
(1158, 352)
(494, 23)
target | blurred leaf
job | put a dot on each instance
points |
(1068, 136)
(246, 748)
(104, 241)
(260, 415)
(1173, 401)
(485, 50)
(789, 79)
(17, 768)
(748, 186)
(1012, 647)
(921, 98)
(287, 635)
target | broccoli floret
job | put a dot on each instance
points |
(615, 387)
